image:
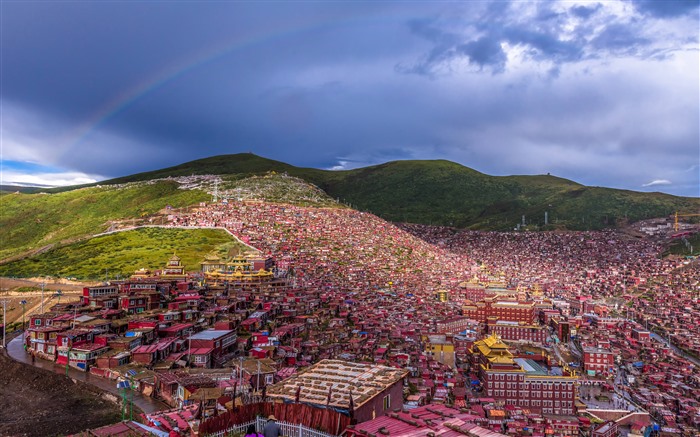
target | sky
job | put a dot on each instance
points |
(603, 93)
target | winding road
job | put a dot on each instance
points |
(678, 351)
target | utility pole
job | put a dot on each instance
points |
(23, 303)
(4, 321)
(257, 383)
(70, 347)
(189, 348)
(43, 284)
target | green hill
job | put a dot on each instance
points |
(432, 192)
(36, 222)
(445, 193)
(122, 253)
(32, 224)
(274, 188)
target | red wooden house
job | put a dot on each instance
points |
(178, 330)
(220, 341)
(200, 357)
(84, 356)
(112, 359)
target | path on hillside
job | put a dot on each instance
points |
(147, 404)
(675, 349)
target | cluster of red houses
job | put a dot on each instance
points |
(351, 294)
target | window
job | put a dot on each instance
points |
(387, 402)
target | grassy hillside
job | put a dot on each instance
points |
(244, 164)
(275, 188)
(445, 193)
(678, 246)
(122, 253)
(432, 192)
(32, 221)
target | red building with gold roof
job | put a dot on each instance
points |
(523, 382)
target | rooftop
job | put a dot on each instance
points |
(337, 378)
(211, 334)
(531, 367)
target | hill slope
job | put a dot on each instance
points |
(32, 224)
(34, 221)
(122, 253)
(445, 193)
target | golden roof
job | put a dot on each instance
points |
(501, 359)
(493, 341)
(492, 347)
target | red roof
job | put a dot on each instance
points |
(89, 347)
(176, 327)
(146, 349)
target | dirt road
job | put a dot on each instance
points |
(14, 291)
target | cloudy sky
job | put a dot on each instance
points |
(604, 93)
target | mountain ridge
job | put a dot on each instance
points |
(443, 192)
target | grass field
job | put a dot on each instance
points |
(32, 221)
(122, 253)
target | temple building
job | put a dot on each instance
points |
(522, 382)
(142, 274)
(245, 268)
(507, 309)
(173, 269)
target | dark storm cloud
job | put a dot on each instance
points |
(548, 35)
(667, 8)
(585, 12)
(588, 92)
(545, 45)
(484, 52)
(619, 39)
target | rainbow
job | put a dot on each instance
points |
(181, 67)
